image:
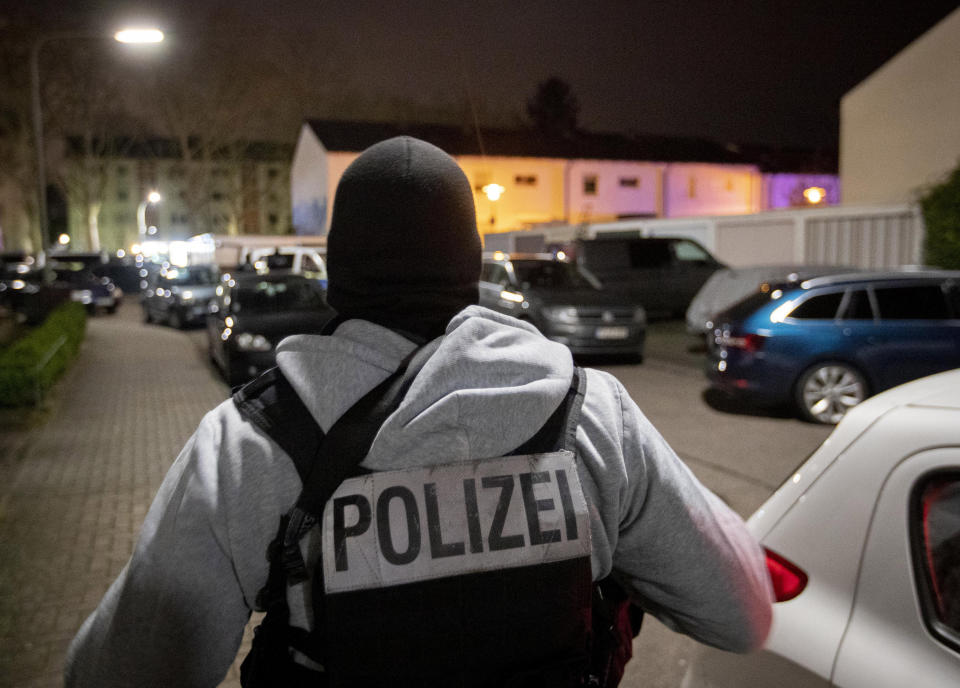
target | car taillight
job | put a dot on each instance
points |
(748, 342)
(788, 579)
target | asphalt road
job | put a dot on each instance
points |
(740, 453)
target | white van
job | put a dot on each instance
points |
(304, 260)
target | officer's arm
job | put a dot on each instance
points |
(176, 614)
(686, 557)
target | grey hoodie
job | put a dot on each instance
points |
(176, 614)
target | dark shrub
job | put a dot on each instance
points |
(32, 363)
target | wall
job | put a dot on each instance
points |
(620, 188)
(709, 189)
(869, 237)
(309, 199)
(785, 189)
(532, 190)
(899, 128)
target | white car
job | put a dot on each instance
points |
(303, 260)
(863, 546)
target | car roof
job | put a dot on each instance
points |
(906, 274)
(270, 276)
(503, 256)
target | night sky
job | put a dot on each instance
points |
(752, 71)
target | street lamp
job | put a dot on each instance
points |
(493, 193)
(152, 197)
(125, 36)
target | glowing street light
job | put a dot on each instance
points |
(152, 197)
(814, 194)
(493, 191)
(138, 36)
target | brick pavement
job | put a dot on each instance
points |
(76, 485)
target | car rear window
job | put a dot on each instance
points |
(936, 549)
(745, 306)
(858, 306)
(194, 275)
(549, 274)
(649, 254)
(267, 296)
(819, 307)
(917, 302)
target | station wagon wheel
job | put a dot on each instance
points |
(826, 391)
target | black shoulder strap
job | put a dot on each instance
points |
(270, 403)
(560, 430)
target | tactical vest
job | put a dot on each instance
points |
(466, 575)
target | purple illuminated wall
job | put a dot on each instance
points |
(785, 190)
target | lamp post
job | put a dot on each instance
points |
(493, 193)
(152, 197)
(124, 36)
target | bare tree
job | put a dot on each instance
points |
(17, 160)
(83, 96)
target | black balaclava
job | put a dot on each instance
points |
(403, 249)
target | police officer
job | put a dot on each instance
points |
(404, 261)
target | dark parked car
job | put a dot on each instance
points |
(252, 313)
(565, 304)
(87, 288)
(827, 343)
(661, 273)
(179, 296)
(123, 271)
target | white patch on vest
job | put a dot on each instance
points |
(394, 527)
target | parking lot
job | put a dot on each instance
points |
(76, 486)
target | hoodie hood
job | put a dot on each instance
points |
(491, 384)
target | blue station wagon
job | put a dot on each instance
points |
(829, 342)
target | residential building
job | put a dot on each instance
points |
(243, 189)
(899, 129)
(522, 179)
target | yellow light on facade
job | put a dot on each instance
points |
(511, 296)
(814, 194)
(63, 239)
(139, 36)
(493, 191)
(154, 197)
(498, 255)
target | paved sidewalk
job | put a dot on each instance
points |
(75, 487)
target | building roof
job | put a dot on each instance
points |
(348, 136)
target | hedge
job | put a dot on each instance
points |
(941, 217)
(23, 376)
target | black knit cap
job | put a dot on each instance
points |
(403, 249)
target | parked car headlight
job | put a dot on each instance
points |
(186, 295)
(564, 314)
(253, 342)
(640, 316)
(81, 295)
